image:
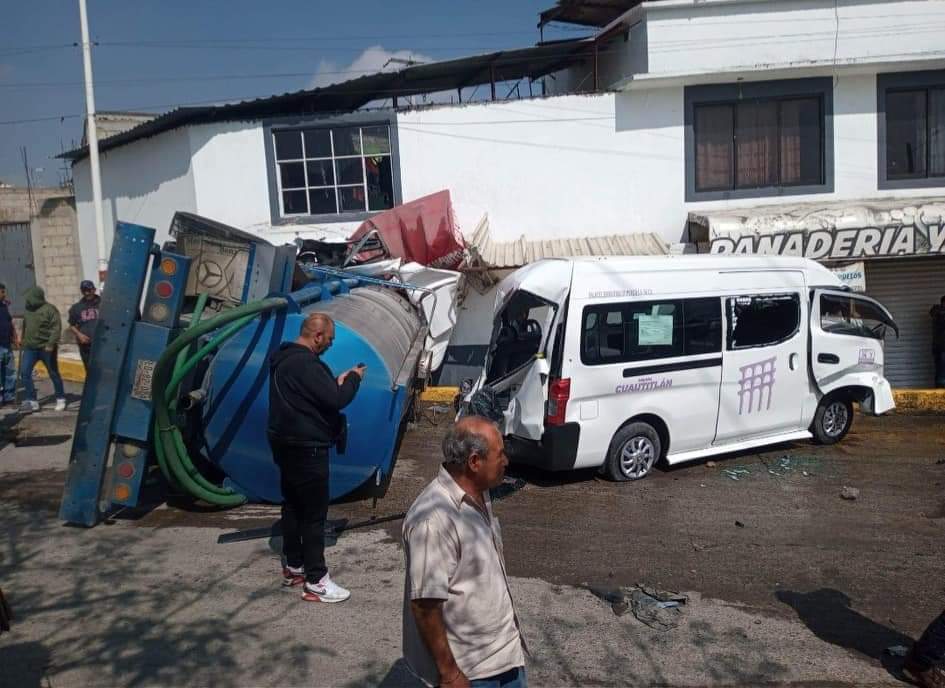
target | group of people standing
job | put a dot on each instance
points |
(39, 342)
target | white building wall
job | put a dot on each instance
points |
(229, 163)
(551, 168)
(143, 183)
(714, 35)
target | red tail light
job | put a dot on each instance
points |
(558, 395)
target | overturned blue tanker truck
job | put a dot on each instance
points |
(177, 385)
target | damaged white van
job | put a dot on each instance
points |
(619, 362)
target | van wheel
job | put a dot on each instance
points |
(832, 420)
(633, 452)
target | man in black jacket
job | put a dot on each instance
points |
(305, 400)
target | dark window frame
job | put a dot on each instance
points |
(898, 82)
(356, 119)
(732, 94)
(729, 325)
(680, 303)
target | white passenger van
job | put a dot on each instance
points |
(618, 362)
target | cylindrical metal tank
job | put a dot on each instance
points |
(373, 325)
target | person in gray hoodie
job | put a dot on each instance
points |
(42, 326)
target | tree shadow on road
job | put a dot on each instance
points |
(150, 637)
(829, 616)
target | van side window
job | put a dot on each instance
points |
(762, 320)
(842, 314)
(703, 326)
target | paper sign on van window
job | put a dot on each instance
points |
(654, 330)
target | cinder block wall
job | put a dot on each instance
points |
(55, 239)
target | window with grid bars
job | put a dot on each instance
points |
(333, 170)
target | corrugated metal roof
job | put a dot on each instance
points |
(584, 13)
(522, 251)
(347, 96)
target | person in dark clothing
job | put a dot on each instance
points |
(305, 402)
(82, 318)
(938, 341)
(9, 340)
(925, 663)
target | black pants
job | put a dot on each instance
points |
(939, 357)
(85, 351)
(930, 648)
(304, 482)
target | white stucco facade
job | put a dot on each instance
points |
(572, 164)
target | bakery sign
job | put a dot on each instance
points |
(881, 230)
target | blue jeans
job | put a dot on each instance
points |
(28, 360)
(7, 375)
(513, 678)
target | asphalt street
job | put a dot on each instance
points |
(787, 583)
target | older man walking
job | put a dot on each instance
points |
(460, 627)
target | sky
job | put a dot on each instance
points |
(154, 55)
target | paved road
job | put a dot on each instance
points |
(809, 590)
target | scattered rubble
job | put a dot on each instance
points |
(849, 493)
(658, 609)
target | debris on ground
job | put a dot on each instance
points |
(739, 524)
(849, 493)
(737, 472)
(710, 464)
(792, 464)
(897, 650)
(507, 487)
(658, 609)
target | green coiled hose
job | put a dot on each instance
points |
(170, 370)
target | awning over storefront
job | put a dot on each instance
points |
(522, 251)
(832, 231)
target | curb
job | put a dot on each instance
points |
(70, 369)
(924, 400)
(907, 400)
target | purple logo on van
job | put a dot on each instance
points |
(757, 378)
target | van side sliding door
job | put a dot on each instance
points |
(764, 369)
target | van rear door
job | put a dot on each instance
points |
(529, 306)
(846, 341)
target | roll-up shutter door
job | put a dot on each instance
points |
(908, 288)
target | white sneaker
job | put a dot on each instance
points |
(29, 406)
(326, 590)
(60, 404)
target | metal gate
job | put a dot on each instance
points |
(908, 288)
(16, 262)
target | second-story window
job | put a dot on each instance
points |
(759, 143)
(915, 133)
(754, 139)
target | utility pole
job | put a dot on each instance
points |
(91, 134)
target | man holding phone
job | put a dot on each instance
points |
(305, 420)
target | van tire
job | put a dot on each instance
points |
(633, 452)
(832, 420)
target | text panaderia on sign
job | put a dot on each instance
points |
(840, 244)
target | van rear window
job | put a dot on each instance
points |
(643, 330)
